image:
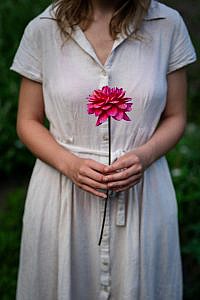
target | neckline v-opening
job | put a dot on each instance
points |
(81, 38)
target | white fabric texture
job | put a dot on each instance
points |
(139, 257)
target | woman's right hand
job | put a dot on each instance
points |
(87, 174)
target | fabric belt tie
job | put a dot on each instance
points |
(119, 196)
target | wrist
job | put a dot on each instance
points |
(145, 153)
(65, 161)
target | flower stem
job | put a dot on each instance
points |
(109, 139)
(109, 162)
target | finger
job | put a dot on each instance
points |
(92, 174)
(118, 165)
(122, 163)
(92, 183)
(123, 183)
(93, 191)
(93, 164)
(125, 188)
(133, 170)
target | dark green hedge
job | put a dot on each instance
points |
(14, 17)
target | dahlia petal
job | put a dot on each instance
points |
(129, 106)
(96, 93)
(102, 118)
(90, 110)
(93, 99)
(106, 90)
(122, 106)
(113, 111)
(97, 112)
(119, 116)
(90, 105)
(96, 105)
(115, 101)
(127, 98)
(106, 106)
(121, 95)
(125, 117)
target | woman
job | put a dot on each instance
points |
(69, 50)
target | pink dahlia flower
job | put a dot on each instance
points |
(109, 102)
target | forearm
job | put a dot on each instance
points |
(42, 144)
(166, 136)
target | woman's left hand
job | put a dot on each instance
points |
(125, 172)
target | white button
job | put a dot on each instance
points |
(104, 73)
(105, 137)
(104, 295)
(105, 279)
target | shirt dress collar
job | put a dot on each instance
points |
(154, 13)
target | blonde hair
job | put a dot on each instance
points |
(70, 13)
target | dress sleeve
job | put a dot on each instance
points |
(182, 51)
(27, 59)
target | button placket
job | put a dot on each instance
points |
(105, 136)
(104, 78)
(121, 210)
(105, 275)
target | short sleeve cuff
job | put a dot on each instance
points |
(182, 52)
(28, 58)
(26, 72)
(181, 64)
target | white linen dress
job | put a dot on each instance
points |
(139, 257)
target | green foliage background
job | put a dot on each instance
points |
(184, 160)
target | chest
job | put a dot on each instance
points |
(101, 41)
(73, 71)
